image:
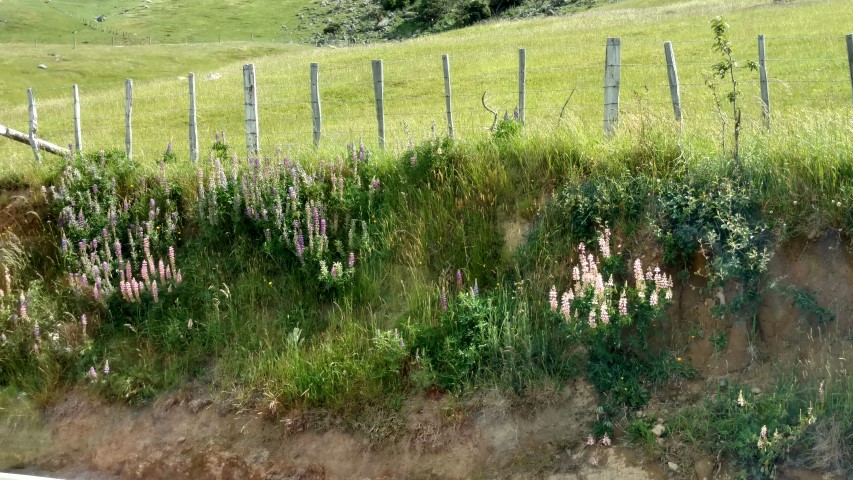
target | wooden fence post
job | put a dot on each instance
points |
(78, 129)
(128, 114)
(193, 120)
(612, 64)
(34, 124)
(765, 88)
(672, 74)
(317, 114)
(445, 60)
(850, 56)
(522, 83)
(379, 93)
(253, 143)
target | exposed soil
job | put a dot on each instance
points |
(188, 435)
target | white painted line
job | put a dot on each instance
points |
(13, 476)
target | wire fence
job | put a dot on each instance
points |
(555, 88)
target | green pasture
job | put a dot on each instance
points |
(806, 62)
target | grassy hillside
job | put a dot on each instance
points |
(806, 64)
(347, 279)
(133, 21)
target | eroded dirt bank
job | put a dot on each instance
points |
(188, 435)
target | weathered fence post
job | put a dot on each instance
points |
(765, 88)
(850, 56)
(128, 114)
(34, 124)
(612, 64)
(78, 129)
(672, 74)
(193, 125)
(379, 93)
(317, 114)
(445, 60)
(253, 143)
(522, 83)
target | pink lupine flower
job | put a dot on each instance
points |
(653, 298)
(84, 320)
(590, 440)
(605, 316)
(107, 368)
(22, 307)
(668, 294)
(172, 258)
(605, 440)
(154, 292)
(179, 278)
(93, 373)
(96, 292)
(571, 295)
(552, 298)
(623, 304)
(144, 272)
(134, 286)
(638, 274)
(443, 300)
(459, 279)
(576, 274)
(168, 272)
(604, 243)
(351, 260)
(762, 439)
(592, 318)
(566, 307)
(161, 267)
(146, 247)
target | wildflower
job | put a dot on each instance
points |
(592, 318)
(374, 184)
(668, 294)
(179, 277)
(741, 402)
(22, 307)
(443, 300)
(605, 440)
(638, 274)
(84, 320)
(36, 330)
(605, 316)
(154, 291)
(93, 373)
(161, 267)
(594, 460)
(566, 308)
(762, 438)
(351, 260)
(190, 324)
(576, 274)
(552, 298)
(476, 290)
(653, 298)
(590, 440)
(604, 243)
(623, 304)
(107, 368)
(172, 258)
(459, 279)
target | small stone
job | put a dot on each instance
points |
(43, 66)
(704, 470)
(658, 430)
(182, 439)
(756, 391)
(724, 383)
(672, 466)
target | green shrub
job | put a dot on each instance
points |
(474, 11)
